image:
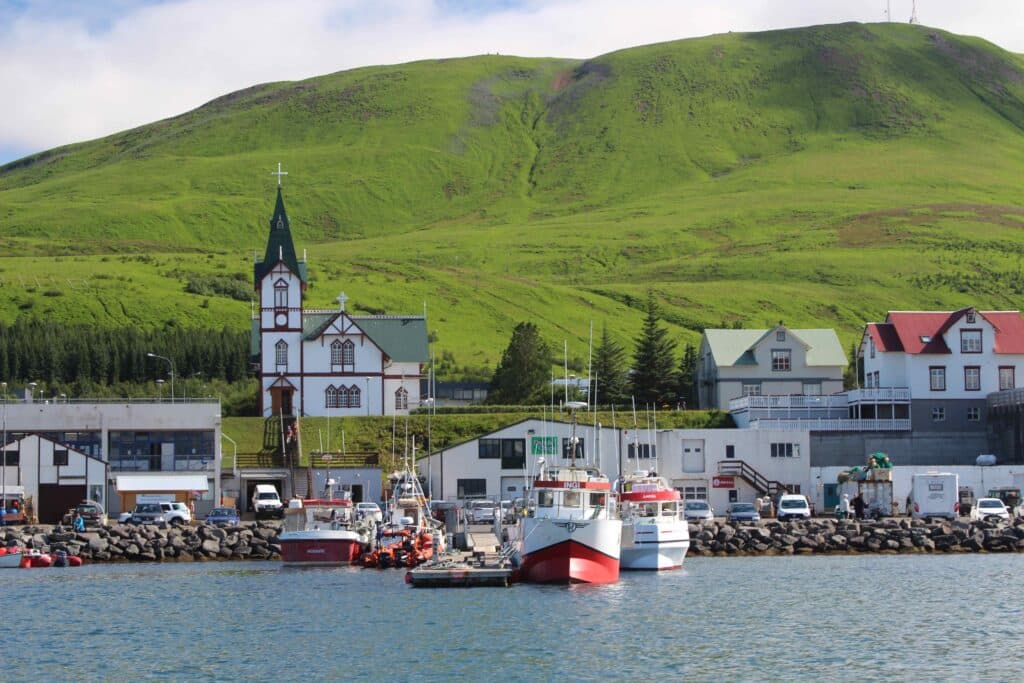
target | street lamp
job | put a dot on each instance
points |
(3, 453)
(160, 390)
(169, 362)
(32, 391)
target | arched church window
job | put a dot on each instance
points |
(354, 396)
(401, 399)
(281, 354)
(331, 397)
(280, 294)
(343, 397)
(336, 352)
(348, 353)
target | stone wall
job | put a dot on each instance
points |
(152, 542)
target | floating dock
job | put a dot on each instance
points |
(482, 565)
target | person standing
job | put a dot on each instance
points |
(758, 504)
(844, 507)
(859, 505)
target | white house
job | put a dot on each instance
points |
(55, 475)
(719, 465)
(948, 361)
(327, 361)
(776, 361)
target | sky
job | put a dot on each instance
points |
(74, 70)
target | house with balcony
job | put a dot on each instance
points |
(768, 362)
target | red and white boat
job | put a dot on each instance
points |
(321, 533)
(10, 558)
(655, 533)
(571, 533)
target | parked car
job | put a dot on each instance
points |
(987, 508)
(508, 513)
(481, 511)
(742, 512)
(148, 513)
(698, 511)
(793, 505)
(176, 513)
(369, 510)
(225, 516)
(91, 512)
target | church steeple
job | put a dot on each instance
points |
(279, 244)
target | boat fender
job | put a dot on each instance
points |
(408, 577)
(74, 561)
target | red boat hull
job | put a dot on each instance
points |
(569, 562)
(321, 552)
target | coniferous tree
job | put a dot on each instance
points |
(610, 371)
(687, 382)
(654, 373)
(523, 374)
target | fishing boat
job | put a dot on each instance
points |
(571, 532)
(410, 535)
(655, 533)
(323, 532)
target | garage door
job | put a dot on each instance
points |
(54, 501)
(512, 487)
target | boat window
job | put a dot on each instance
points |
(597, 499)
(545, 499)
(650, 510)
(571, 499)
(668, 509)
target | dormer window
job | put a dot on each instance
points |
(970, 341)
(280, 294)
(780, 335)
(970, 317)
(925, 339)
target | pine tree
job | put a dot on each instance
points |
(610, 371)
(687, 381)
(523, 374)
(654, 374)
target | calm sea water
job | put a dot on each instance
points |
(780, 618)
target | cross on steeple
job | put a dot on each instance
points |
(341, 300)
(279, 173)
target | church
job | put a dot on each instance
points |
(327, 361)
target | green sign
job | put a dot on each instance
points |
(544, 445)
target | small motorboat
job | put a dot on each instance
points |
(10, 558)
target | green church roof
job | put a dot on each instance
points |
(402, 337)
(279, 245)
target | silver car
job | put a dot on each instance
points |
(698, 511)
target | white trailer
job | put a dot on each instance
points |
(935, 494)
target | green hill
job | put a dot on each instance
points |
(819, 176)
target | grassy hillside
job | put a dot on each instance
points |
(819, 176)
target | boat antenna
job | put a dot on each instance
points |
(657, 465)
(647, 408)
(618, 449)
(565, 367)
(636, 434)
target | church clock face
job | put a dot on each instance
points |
(281, 319)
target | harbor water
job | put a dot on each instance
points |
(870, 617)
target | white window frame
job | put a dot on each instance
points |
(281, 354)
(972, 378)
(280, 294)
(336, 352)
(969, 343)
(782, 360)
(1013, 379)
(938, 414)
(937, 375)
(401, 399)
(974, 414)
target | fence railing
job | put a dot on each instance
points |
(832, 424)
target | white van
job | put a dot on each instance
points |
(793, 505)
(266, 502)
(934, 494)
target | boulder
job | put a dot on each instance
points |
(211, 547)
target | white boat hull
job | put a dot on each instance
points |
(651, 546)
(557, 550)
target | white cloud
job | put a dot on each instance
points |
(69, 81)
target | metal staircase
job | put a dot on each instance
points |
(763, 485)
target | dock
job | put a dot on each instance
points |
(481, 565)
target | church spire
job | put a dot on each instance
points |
(279, 244)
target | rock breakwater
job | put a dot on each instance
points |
(824, 536)
(152, 542)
